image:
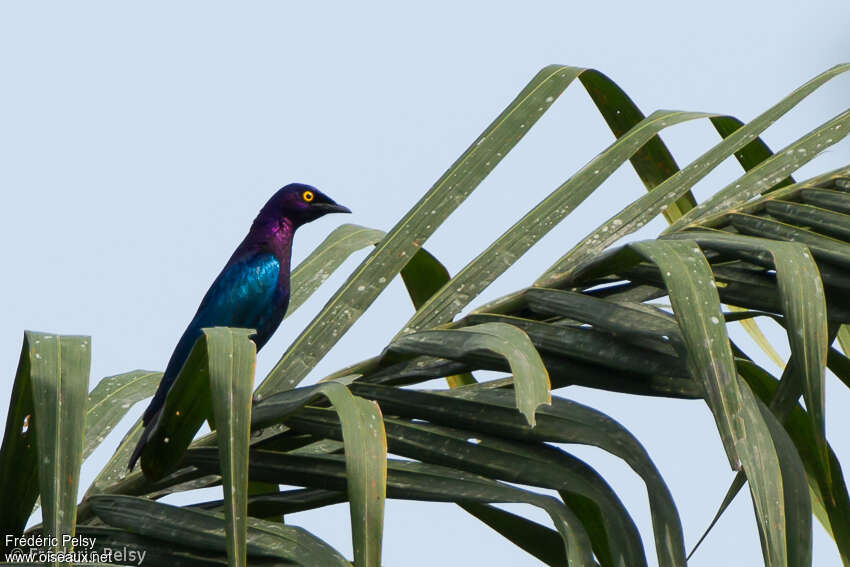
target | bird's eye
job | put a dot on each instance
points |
(308, 196)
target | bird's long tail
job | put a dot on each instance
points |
(143, 440)
(152, 412)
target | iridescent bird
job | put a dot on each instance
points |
(252, 291)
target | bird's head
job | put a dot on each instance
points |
(301, 204)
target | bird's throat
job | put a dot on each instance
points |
(270, 235)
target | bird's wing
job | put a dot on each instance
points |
(241, 294)
(239, 297)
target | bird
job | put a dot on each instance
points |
(252, 290)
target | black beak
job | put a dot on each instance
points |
(326, 208)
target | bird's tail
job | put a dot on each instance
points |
(143, 440)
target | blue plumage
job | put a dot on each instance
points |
(252, 290)
(243, 295)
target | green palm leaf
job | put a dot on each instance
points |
(59, 367)
(531, 380)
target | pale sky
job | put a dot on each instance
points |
(139, 140)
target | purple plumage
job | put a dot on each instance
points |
(252, 290)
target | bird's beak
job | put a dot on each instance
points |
(326, 208)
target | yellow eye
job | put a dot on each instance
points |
(307, 196)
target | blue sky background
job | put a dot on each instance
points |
(138, 141)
